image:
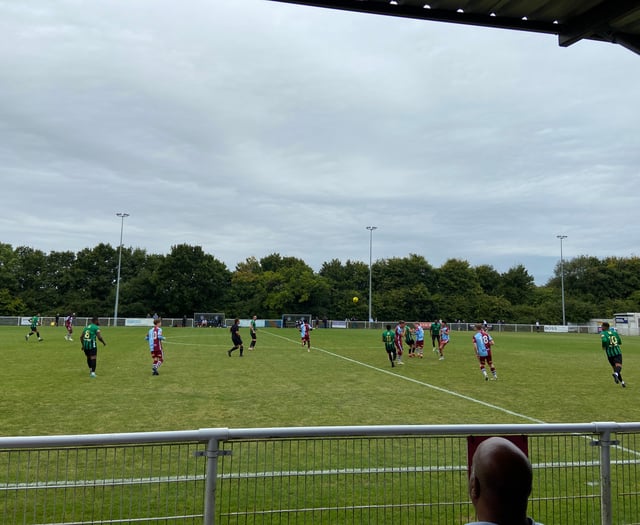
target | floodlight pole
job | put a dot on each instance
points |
(562, 237)
(115, 310)
(370, 228)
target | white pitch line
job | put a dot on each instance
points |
(440, 389)
(421, 383)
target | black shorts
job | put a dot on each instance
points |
(237, 340)
(615, 360)
(90, 351)
(254, 336)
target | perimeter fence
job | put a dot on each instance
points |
(222, 322)
(583, 474)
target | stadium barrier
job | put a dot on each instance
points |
(583, 473)
(591, 328)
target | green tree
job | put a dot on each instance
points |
(8, 269)
(94, 275)
(189, 280)
(10, 305)
(30, 267)
(516, 285)
(138, 294)
(489, 279)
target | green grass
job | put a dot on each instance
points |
(345, 380)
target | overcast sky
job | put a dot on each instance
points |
(253, 127)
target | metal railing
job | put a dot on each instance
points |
(583, 474)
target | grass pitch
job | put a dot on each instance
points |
(346, 379)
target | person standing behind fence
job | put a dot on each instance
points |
(388, 338)
(90, 334)
(155, 338)
(611, 343)
(34, 322)
(500, 483)
(253, 331)
(482, 343)
(68, 324)
(235, 337)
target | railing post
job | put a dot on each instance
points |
(606, 515)
(211, 480)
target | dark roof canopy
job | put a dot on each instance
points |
(616, 21)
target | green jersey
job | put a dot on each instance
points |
(34, 322)
(89, 335)
(435, 328)
(611, 342)
(388, 337)
(408, 335)
(253, 326)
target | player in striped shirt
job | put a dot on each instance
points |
(388, 338)
(482, 343)
(444, 339)
(68, 324)
(304, 334)
(155, 338)
(611, 342)
(399, 339)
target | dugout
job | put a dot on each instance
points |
(627, 323)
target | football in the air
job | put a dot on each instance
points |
(355, 300)
(53, 323)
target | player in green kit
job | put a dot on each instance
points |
(388, 338)
(435, 335)
(253, 331)
(611, 342)
(35, 321)
(90, 335)
(410, 340)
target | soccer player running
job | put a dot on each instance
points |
(35, 321)
(388, 338)
(235, 337)
(68, 324)
(444, 339)
(435, 335)
(89, 343)
(611, 343)
(305, 337)
(398, 340)
(253, 331)
(482, 343)
(155, 338)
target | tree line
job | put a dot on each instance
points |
(188, 280)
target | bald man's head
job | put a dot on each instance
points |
(500, 482)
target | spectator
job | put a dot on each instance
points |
(500, 483)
